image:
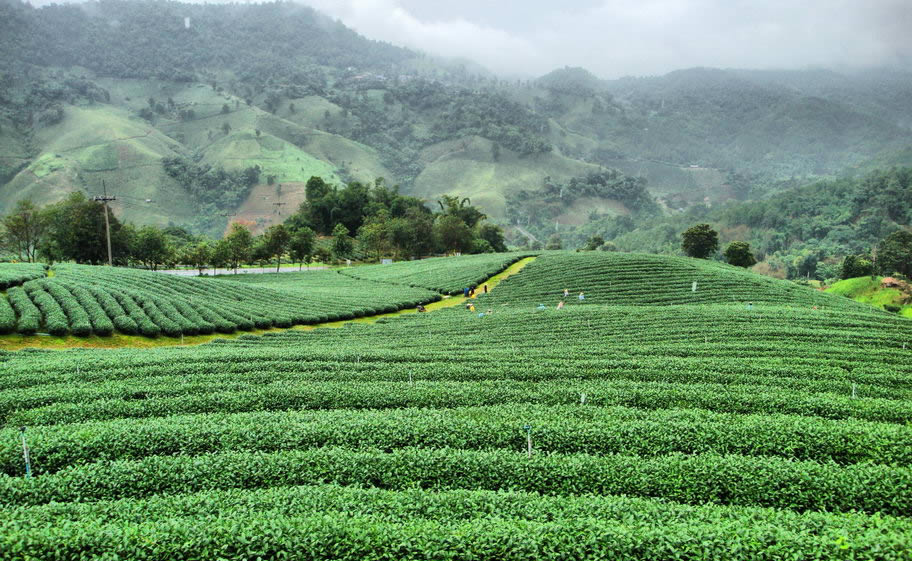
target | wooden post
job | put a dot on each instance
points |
(104, 201)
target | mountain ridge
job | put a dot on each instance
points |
(351, 108)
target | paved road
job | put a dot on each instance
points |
(248, 271)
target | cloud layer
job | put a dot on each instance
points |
(615, 38)
(640, 37)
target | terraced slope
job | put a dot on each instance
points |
(447, 275)
(84, 300)
(689, 431)
(331, 290)
(103, 143)
(651, 280)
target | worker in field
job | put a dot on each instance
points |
(471, 307)
(540, 307)
(486, 289)
(472, 292)
(560, 305)
(566, 293)
(581, 297)
(421, 308)
(465, 292)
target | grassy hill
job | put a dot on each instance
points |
(870, 290)
(275, 157)
(467, 168)
(655, 280)
(110, 141)
(619, 426)
(103, 143)
(447, 275)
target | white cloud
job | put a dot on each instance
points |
(388, 20)
(618, 37)
(637, 37)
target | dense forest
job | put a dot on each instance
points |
(804, 231)
(358, 221)
(538, 209)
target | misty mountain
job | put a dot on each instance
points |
(778, 124)
(194, 113)
(185, 42)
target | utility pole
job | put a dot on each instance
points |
(104, 200)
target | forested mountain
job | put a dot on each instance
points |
(803, 230)
(197, 114)
(777, 124)
(185, 42)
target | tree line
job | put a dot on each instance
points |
(891, 256)
(357, 221)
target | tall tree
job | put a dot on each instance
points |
(894, 254)
(374, 234)
(452, 233)
(353, 202)
(276, 238)
(342, 242)
(700, 241)
(76, 231)
(739, 254)
(198, 254)
(301, 246)
(24, 228)
(413, 234)
(856, 266)
(151, 247)
(221, 254)
(461, 208)
(320, 210)
(493, 234)
(239, 243)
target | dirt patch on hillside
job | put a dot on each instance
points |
(271, 204)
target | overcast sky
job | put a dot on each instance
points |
(615, 38)
(637, 37)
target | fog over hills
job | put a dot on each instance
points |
(197, 113)
(637, 38)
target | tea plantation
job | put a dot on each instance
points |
(748, 418)
(84, 300)
(447, 275)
